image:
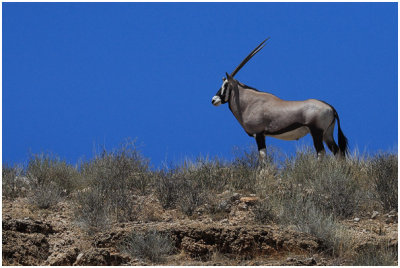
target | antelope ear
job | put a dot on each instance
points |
(228, 77)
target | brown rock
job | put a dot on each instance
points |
(374, 214)
(196, 248)
(301, 262)
(24, 248)
(390, 219)
(241, 240)
(96, 256)
(27, 226)
(249, 200)
(63, 259)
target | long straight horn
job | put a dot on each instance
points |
(254, 52)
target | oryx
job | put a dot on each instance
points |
(263, 114)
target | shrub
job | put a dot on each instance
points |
(334, 238)
(46, 168)
(192, 194)
(243, 170)
(91, 210)
(166, 188)
(13, 183)
(328, 183)
(189, 186)
(384, 170)
(301, 168)
(213, 174)
(123, 166)
(115, 176)
(45, 195)
(152, 245)
(381, 255)
(301, 212)
(263, 212)
(50, 179)
(335, 190)
(311, 194)
(182, 187)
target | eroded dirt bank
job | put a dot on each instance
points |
(52, 237)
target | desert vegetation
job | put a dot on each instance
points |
(320, 198)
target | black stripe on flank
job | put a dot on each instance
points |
(292, 127)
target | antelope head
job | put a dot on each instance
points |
(222, 95)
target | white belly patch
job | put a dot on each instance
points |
(292, 135)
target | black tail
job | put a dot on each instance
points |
(342, 140)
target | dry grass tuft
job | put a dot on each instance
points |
(384, 172)
(152, 245)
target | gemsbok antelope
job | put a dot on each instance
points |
(262, 114)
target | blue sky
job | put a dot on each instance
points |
(77, 75)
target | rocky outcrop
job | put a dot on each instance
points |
(237, 239)
(66, 258)
(27, 226)
(241, 240)
(199, 240)
(25, 242)
(99, 256)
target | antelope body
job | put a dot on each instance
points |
(263, 114)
